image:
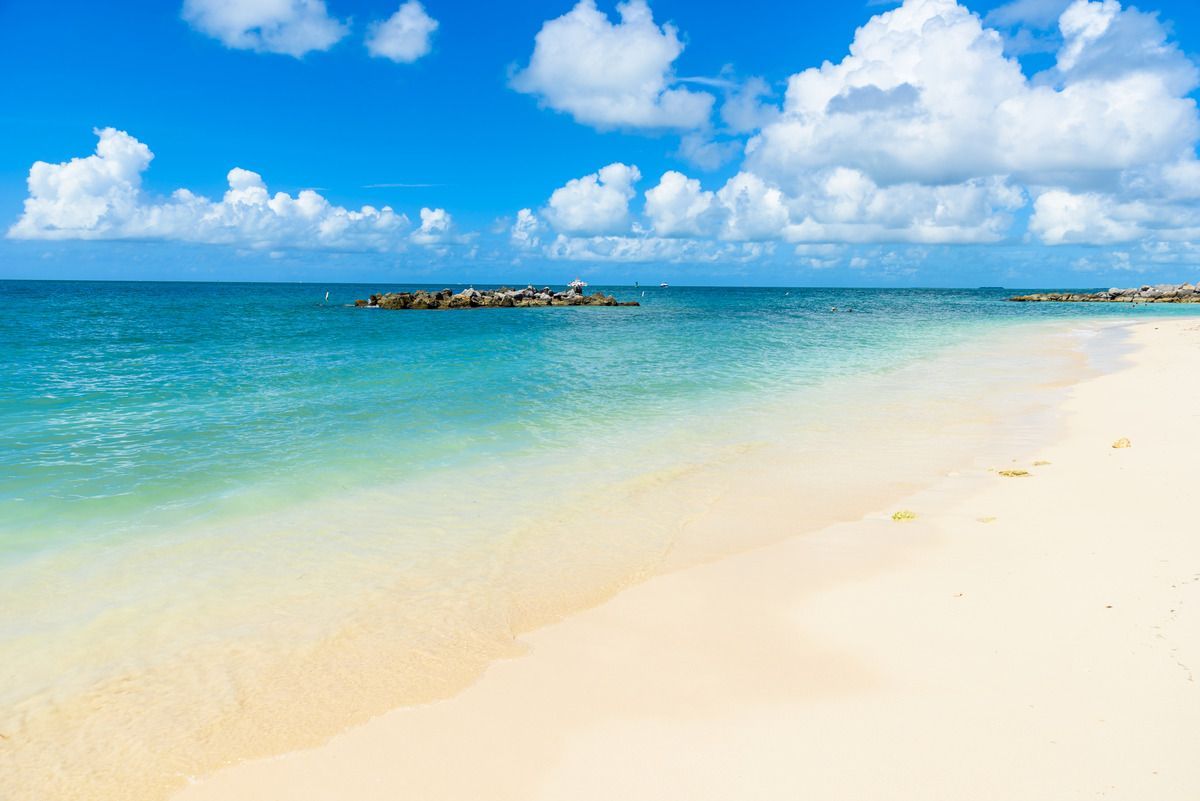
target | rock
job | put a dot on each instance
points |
(494, 298)
(401, 300)
(1162, 293)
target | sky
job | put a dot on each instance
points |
(1035, 143)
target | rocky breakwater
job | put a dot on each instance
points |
(489, 298)
(1161, 293)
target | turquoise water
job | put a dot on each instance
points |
(219, 499)
(126, 407)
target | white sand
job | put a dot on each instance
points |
(1049, 654)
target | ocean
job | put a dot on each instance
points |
(216, 499)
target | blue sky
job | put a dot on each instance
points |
(660, 140)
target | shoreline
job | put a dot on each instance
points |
(792, 464)
(794, 665)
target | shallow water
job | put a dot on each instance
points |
(215, 497)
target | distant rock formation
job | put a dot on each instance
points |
(1162, 293)
(489, 298)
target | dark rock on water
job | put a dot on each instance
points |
(1162, 293)
(489, 298)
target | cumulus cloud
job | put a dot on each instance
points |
(1034, 13)
(1103, 42)
(290, 27)
(612, 75)
(596, 203)
(746, 107)
(838, 205)
(1094, 218)
(927, 133)
(1061, 217)
(652, 249)
(101, 197)
(846, 205)
(927, 95)
(677, 206)
(706, 152)
(405, 36)
(525, 233)
(435, 227)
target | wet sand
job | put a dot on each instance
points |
(1028, 637)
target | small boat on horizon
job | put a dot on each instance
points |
(663, 285)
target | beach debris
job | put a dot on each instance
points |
(904, 515)
(1160, 293)
(471, 298)
(988, 519)
(1014, 473)
(1123, 442)
(1040, 463)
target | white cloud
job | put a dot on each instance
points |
(702, 151)
(927, 95)
(612, 75)
(594, 204)
(1034, 13)
(1094, 218)
(837, 205)
(436, 228)
(291, 27)
(846, 205)
(745, 110)
(677, 206)
(100, 197)
(653, 249)
(405, 36)
(1061, 217)
(1082, 24)
(927, 133)
(525, 233)
(1103, 43)
(754, 210)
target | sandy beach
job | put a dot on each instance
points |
(600, 401)
(1024, 637)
